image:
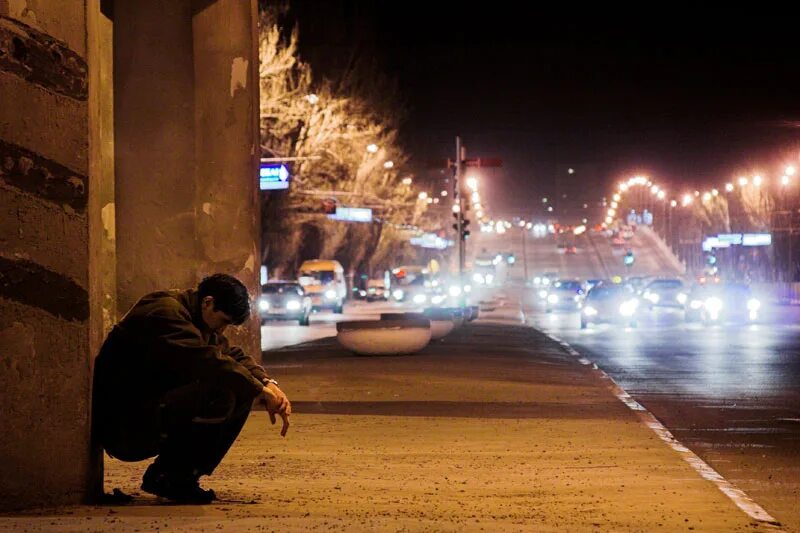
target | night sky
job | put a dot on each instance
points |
(689, 96)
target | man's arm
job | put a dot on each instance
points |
(245, 360)
(180, 345)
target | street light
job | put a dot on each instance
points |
(407, 181)
(423, 195)
(729, 187)
(757, 180)
(388, 164)
(790, 170)
(784, 180)
(472, 183)
(706, 197)
(661, 195)
(312, 99)
(687, 199)
(372, 148)
(742, 181)
(673, 203)
(443, 193)
(617, 197)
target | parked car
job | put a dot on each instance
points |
(284, 300)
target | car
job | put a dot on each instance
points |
(610, 303)
(323, 281)
(665, 293)
(571, 250)
(284, 300)
(376, 290)
(545, 278)
(564, 295)
(722, 303)
(618, 241)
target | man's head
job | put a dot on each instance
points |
(223, 300)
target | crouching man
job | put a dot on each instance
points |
(168, 385)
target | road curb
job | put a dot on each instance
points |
(738, 496)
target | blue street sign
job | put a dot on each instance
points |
(273, 177)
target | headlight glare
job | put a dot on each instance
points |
(589, 311)
(420, 298)
(263, 305)
(753, 304)
(292, 305)
(330, 294)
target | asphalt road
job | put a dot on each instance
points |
(730, 393)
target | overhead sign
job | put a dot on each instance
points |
(273, 177)
(756, 239)
(431, 240)
(711, 243)
(731, 238)
(352, 214)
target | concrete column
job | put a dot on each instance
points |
(186, 103)
(53, 180)
(227, 151)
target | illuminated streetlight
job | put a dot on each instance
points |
(456, 208)
(784, 180)
(614, 205)
(687, 199)
(443, 193)
(423, 195)
(372, 148)
(742, 181)
(790, 170)
(623, 187)
(476, 197)
(661, 195)
(430, 200)
(729, 187)
(706, 197)
(609, 220)
(550, 209)
(697, 193)
(312, 99)
(617, 197)
(611, 212)
(407, 181)
(570, 171)
(388, 164)
(673, 203)
(472, 183)
(757, 180)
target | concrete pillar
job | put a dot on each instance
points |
(186, 101)
(54, 184)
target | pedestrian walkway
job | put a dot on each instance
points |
(496, 428)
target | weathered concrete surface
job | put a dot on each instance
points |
(186, 146)
(493, 429)
(45, 310)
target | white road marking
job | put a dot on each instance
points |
(738, 496)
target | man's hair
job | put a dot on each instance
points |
(230, 296)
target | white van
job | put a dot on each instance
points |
(323, 280)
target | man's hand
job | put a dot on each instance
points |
(277, 402)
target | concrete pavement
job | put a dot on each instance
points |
(496, 428)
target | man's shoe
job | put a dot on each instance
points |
(182, 489)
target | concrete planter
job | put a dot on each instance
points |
(441, 324)
(384, 337)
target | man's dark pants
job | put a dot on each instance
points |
(189, 428)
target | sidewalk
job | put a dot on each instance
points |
(494, 429)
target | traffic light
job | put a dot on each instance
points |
(464, 230)
(456, 216)
(712, 259)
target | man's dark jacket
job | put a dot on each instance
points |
(161, 344)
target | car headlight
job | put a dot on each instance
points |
(489, 278)
(628, 307)
(438, 299)
(420, 298)
(543, 294)
(362, 293)
(478, 278)
(577, 297)
(537, 281)
(454, 290)
(753, 304)
(292, 305)
(696, 304)
(653, 297)
(398, 294)
(713, 305)
(467, 288)
(330, 295)
(263, 305)
(589, 311)
(552, 299)
(681, 298)
(545, 281)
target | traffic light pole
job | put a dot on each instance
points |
(459, 205)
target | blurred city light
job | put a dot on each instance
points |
(687, 199)
(742, 181)
(423, 195)
(757, 180)
(729, 187)
(456, 208)
(673, 203)
(790, 170)
(312, 99)
(443, 193)
(706, 197)
(372, 148)
(784, 180)
(472, 183)
(388, 164)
